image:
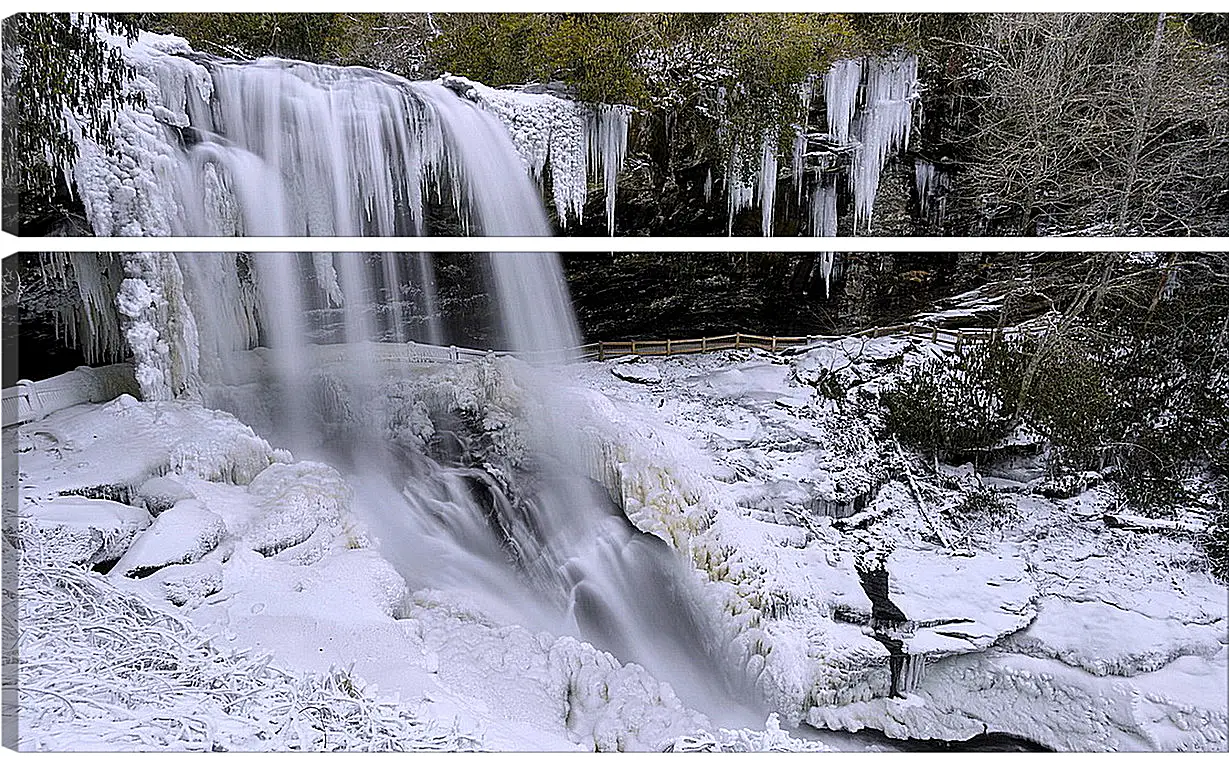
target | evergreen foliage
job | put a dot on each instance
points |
(53, 63)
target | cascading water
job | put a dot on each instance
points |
(311, 348)
(276, 147)
(534, 543)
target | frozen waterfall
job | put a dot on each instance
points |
(277, 147)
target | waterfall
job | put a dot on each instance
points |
(319, 351)
(277, 147)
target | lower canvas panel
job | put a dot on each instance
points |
(616, 501)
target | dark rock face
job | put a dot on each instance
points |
(688, 295)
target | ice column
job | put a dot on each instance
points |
(767, 183)
(883, 125)
(841, 96)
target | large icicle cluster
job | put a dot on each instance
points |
(883, 126)
(869, 104)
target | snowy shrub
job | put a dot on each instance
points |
(1215, 541)
(980, 512)
(101, 669)
(949, 404)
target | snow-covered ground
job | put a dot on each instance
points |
(1055, 628)
(251, 611)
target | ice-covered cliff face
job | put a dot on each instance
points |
(277, 147)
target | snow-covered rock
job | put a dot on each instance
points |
(158, 439)
(295, 501)
(963, 604)
(182, 534)
(161, 493)
(85, 531)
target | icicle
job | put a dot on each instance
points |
(767, 183)
(841, 96)
(799, 160)
(924, 179)
(823, 224)
(739, 193)
(326, 277)
(708, 185)
(883, 126)
(608, 148)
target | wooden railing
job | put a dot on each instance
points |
(951, 338)
(30, 400)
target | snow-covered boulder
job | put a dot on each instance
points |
(182, 534)
(294, 501)
(85, 531)
(161, 493)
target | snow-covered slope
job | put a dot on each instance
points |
(236, 565)
(1060, 629)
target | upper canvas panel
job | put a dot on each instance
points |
(626, 124)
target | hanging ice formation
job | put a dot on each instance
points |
(574, 140)
(823, 224)
(931, 183)
(883, 126)
(869, 105)
(277, 147)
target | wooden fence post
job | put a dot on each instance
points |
(669, 351)
(633, 346)
(601, 350)
(738, 337)
(774, 343)
(704, 344)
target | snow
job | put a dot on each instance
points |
(74, 450)
(1003, 629)
(101, 669)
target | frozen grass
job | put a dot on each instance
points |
(102, 669)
